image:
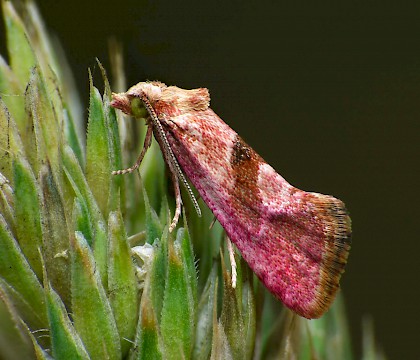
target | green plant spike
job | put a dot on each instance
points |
(122, 283)
(92, 313)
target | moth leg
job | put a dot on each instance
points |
(146, 145)
(232, 261)
(170, 160)
(178, 200)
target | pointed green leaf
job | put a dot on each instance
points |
(98, 162)
(178, 311)
(7, 203)
(53, 94)
(122, 283)
(202, 346)
(165, 211)
(158, 271)
(220, 345)
(238, 310)
(15, 270)
(12, 93)
(10, 142)
(24, 308)
(153, 174)
(15, 343)
(153, 225)
(79, 184)
(132, 190)
(5, 151)
(46, 123)
(81, 220)
(92, 313)
(40, 353)
(92, 221)
(148, 341)
(56, 244)
(231, 318)
(117, 188)
(65, 342)
(249, 318)
(27, 202)
(134, 199)
(72, 137)
(53, 61)
(95, 234)
(21, 55)
(206, 241)
(188, 254)
(100, 251)
(46, 58)
(220, 348)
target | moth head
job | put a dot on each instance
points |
(129, 102)
(121, 102)
(172, 97)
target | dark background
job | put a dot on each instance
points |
(330, 97)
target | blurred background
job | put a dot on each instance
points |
(328, 94)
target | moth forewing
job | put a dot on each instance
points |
(296, 242)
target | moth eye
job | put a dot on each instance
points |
(138, 109)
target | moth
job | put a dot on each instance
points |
(296, 242)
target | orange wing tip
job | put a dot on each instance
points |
(336, 250)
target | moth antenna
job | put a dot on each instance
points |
(188, 188)
(168, 150)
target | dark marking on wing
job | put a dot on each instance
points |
(245, 164)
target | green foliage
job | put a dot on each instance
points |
(73, 284)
